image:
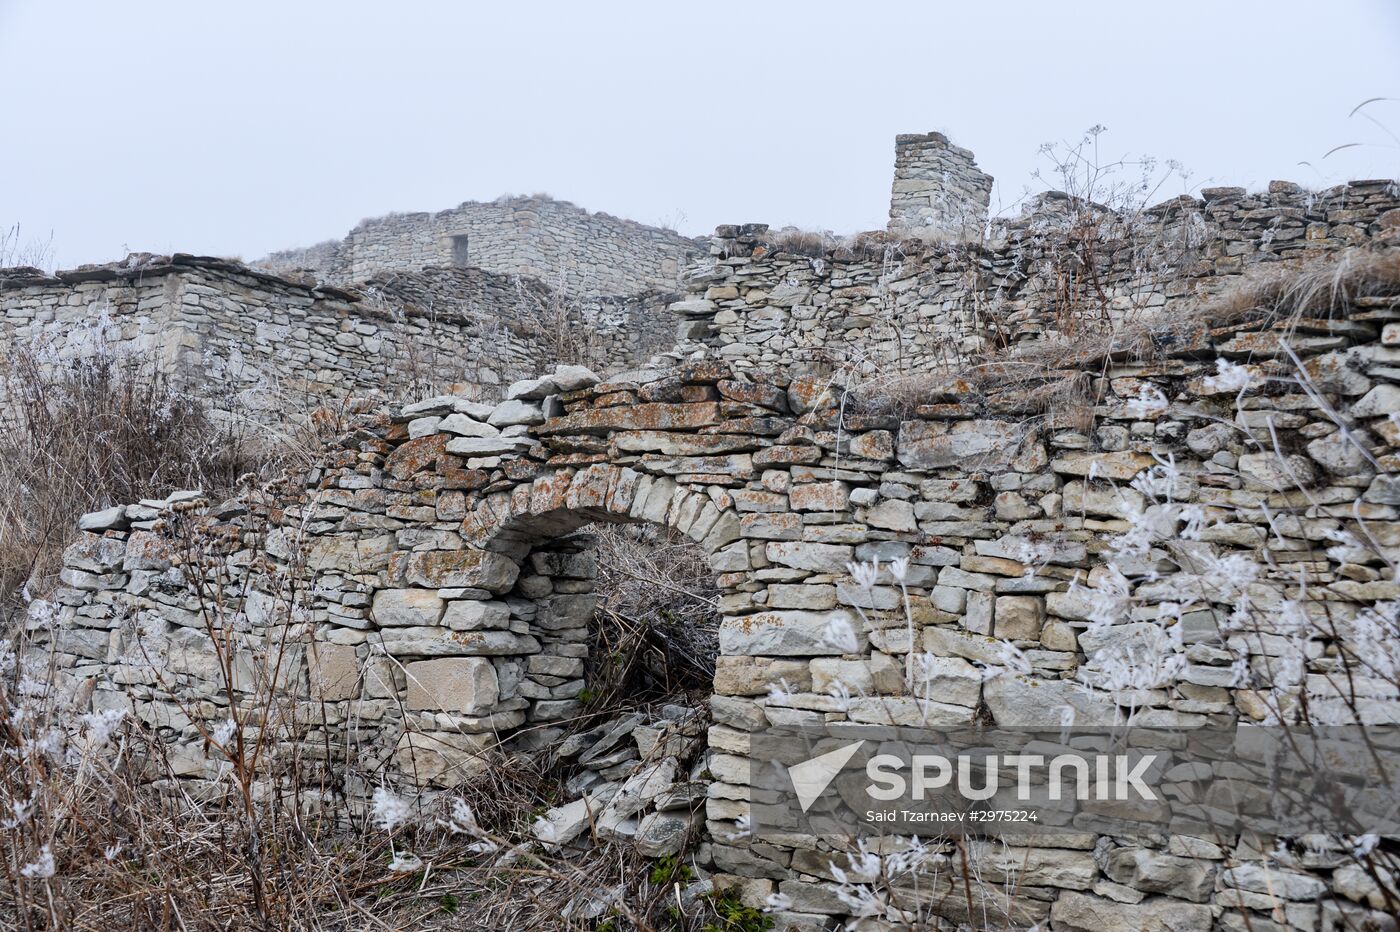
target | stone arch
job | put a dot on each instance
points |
(417, 526)
(552, 598)
(560, 501)
(1000, 514)
(521, 615)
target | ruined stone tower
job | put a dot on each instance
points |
(938, 191)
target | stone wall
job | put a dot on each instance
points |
(610, 333)
(425, 591)
(446, 596)
(938, 190)
(274, 348)
(874, 307)
(565, 246)
(893, 306)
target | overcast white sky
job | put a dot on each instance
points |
(235, 128)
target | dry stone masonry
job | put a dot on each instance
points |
(890, 304)
(420, 600)
(478, 296)
(900, 305)
(573, 250)
(449, 588)
(259, 345)
(938, 191)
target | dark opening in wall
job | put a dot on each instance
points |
(459, 250)
(656, 631)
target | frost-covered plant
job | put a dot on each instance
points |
(1289, 656)
(19, 249)
(89, 421)
(87, 791)
(1295, 657)
(388, 811)
(1248, 593)
(1094, 248)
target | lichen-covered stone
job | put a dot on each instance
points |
(791, 634)
(973, 444)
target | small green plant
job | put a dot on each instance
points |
(733, 916)
(670, 869)
(449, 903)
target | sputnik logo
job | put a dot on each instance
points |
(811, 777)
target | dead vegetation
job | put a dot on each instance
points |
(18, 250)
(1055, 374)
(1278, 297)
(823, 244)
(1318, 289)
(79, 434)
(811, 243)
(111, 835)
(657, 624)
(103, 826)
(110, 822)
(557, 327)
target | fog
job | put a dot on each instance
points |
(239, 128)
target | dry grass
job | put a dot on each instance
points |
(556, 327)
(274, 835)
(129, 840)
(811, 243)
(1012, 387)
(137, 846)
(657, 626)
(863, 246)
(521, 886)
(279, 839)
(856, 247)
(1278, 298)
(1322, 288)
(1053, 375)
(18, 250)
(77, 435)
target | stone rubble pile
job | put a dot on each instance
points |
(637, 778)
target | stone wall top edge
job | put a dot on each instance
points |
(292, 252)
(377, 420)
(512, 202)
(904, 139)
(148, 266)
(354, 300)
(1277, 194)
